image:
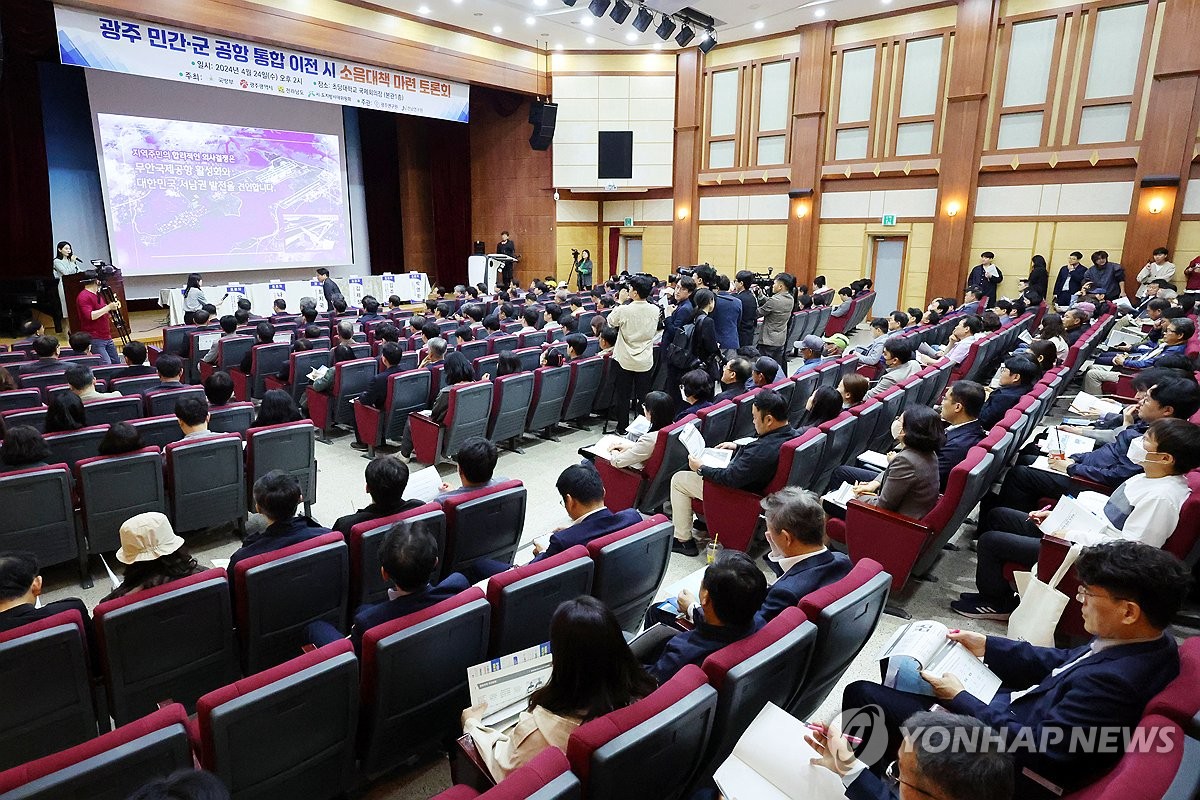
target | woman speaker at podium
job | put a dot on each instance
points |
(65, 263)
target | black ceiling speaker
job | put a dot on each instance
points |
(686, 34)
(643, 19)
(569, 2)
(620, 12)
(542, 117)
(599, 7)
(708, 42)
(665, 28)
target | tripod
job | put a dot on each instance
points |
(118, 319)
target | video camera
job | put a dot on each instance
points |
(764, 280)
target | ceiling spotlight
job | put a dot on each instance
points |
(665, 28)
(818, 13)
(530, 20)
(586, 21)
(708, 42)
(558, 47)
(631, 37)
(758, 26)
(497, 29)
(591, 40)
(599, 7)
(686, 34)
(538, 3)
(620, 11)
(643, 19)
(658, 45)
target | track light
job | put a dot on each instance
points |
(620, 11)
(686, 34)
(708, 42)
(643, 19)
(665, 28)
(599, 7)
(569, 2)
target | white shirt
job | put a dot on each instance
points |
(1152, 513)
(786, 563)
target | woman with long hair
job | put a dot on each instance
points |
(7, 382)
(659, 409)
(1052, 330)
(705, 347)
(823, 405)
(594, 672)
(277, 408)
(456, 369)
(1039, 277)
(66, 413)
(23, 448)
(193, 298)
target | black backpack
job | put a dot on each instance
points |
(679, 350)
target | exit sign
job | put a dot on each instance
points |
(889, 220)
(629, 222)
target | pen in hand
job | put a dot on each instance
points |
(813, 726)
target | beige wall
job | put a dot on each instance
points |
(843, 252)
(1015, 243)
(754, 246)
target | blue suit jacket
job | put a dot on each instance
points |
(276, 537)
(809, 575)
(727, 312)
(1108, 689)
(372, 614)
(999, 402)
(602, 523)
(692, 647)
(958, 442)
(867, 786)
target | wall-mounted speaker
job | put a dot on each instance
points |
(614, 157)
(542, 117)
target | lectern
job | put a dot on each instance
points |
(73, 285)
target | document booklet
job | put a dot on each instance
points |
(1085, 403)
(1069, 514)
(505, 683)
(874, 459)
(771, 762)
(1130, 336)
(424, 484)
(1025, 336)
(1069, 444)
(316, 373)
(922, 645)
(690, 436)
(604, 447)
(840, 496)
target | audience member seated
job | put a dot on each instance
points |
(31, 330)
(582, 494)
(435, 351)
(696, 389)
(576, 346)
(1075, 323)
(23, 448)
(476, 464)
(457, 370)
(1042, 353)
(822, 405)
(80, 343)
(20, 587)
(1110, 464)
(341, 353)
(549, 358)
(1130, 592)
(120, 438)
(83, 384)
(408, 557)
(276, 497)
(66, 413)
(898, 362)
(7, 381)
(277, 407)
(853, 388)
(657, 408)
(387, 478)
(1053, 330)
(186, 784)
(943, 756)
(594, 673)
(192, 413)
(812, 352)
(229, 326)
(218, 388)
(46, 350)
(731, 593)
(1144, 509)
(153, 554)
(1016, 378)
(734, 376)
(909, 484)
(1174, 341)
(764, 373)
(134, 354)
(968, 331)
(752, 467)
(264, 333)
(170, 374)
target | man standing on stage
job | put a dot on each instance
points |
(93, 318)
(508, 248)
(328, 286)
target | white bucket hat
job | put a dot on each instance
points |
(146, 537)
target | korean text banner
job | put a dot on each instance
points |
(155, 51)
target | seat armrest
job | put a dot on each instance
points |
(1051, 555)
(206, 369)
(731, 514)
(319, 407)
(467, 767)
(622, 485)
(892, 539)
(241, 384)
(273, 382)
(1086, 485)
(367, 423)
(426, 437)
(153, 351)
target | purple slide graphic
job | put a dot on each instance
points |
(195, 196)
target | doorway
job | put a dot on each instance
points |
(887, 271)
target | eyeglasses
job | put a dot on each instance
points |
(892, 773)
(1082, 594)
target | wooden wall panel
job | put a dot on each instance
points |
(688, 139)
(416, 207)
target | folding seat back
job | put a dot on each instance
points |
(500, 344)
(604, 396)
(485, 523)
(485, 365)
(117, 409)
(231, 418)
(667, 730)
(824, 314)
(892, 401)
(42, 380)
(586, 374)
(15, 399)
(363, 350)
(806, 384)
(1178, 701)
(765, 667)
(155, 431)
(839, 433)
(795, 329)
(846, 614)
(530, 357)
(512, 398)
(414, 681)
(277, 594)
(51, 393)
(133, 386)
(630, 565)
(716, 423)
(175, 339)
(158, 404)
(805, 454)
(974, 487)
(523, 599)
(70, 447)
(531, 339)
(743, 415)
(173, 641)
(39, 514)
(299, 365)
(549, 394)
(350, 380)
(868, 416)
(206, 482)
(114, 488)
(266, 359)
(231, 351)
(406, 392)
(110, 767)
(287, 731)
(828, 374)
(45, 689)
(34, 417)
(784, 387)
(289, 446)
(467, 414)
(367, 584)
(473, 349)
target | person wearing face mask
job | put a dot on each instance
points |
(1174, 340)
(696, 390)
(1144, 509)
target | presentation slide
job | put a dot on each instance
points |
(194, 196)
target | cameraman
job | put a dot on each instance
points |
(583, 268)
(633, 355)
(94, 318)
(777, 314)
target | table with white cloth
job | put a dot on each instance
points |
(410, 287)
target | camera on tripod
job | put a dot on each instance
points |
(575, 253)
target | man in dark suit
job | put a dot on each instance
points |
(387, 478)
(170, 373)
(582, 494)
(408, 558)
(46, 350)
(264, 333)
(1130, 592)
(135, 360)
(376, 392)
(985, 276)
(960, 411)
(20, 585)
(1017, 377)
(748, 321)
(328, 287)
(277, 496)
